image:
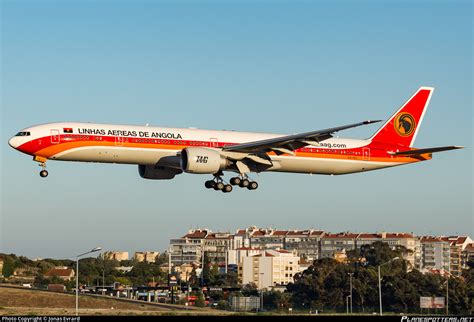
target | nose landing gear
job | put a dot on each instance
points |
(42, 163)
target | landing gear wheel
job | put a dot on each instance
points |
(43, 173)
(235, 181)
(210, 184)
(244, 183)
(227, 188)
(219, 186)
(252, 185)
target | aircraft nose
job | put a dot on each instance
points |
(13, 142)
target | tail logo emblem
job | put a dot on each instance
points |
(404, 124)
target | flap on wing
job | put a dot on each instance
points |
(425, 150)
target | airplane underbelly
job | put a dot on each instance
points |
(325, 165)
(114, 155)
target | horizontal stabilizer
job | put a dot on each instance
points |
(426, 150)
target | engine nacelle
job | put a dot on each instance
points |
(202, 160)
(157, 172)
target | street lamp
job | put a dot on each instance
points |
(260, 283)
(380, 282)
(350, 282)
(447, 292)
(77, 275)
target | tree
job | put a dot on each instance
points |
(275, 300)
(8, 266)
(200, 301)
(232, 279)
(144, 272)
(223, 305)
(249, 290)
(123, 281)
(325, 284)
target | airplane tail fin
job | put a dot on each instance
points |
(402, 127)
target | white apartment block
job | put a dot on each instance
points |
(435, 253)
(269, 269)
(189, 248)
(217, 246)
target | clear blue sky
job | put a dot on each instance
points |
(270, 66)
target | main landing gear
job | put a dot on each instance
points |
(218, 183)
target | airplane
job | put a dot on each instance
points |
(162, 153)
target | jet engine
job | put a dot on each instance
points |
(202, 160)
(157, 172)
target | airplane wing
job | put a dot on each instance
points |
(417, 152)
(287, 144)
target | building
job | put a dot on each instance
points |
(435, 253)
(467, 254)
(305, 243)
(124, 269)
(184, 271)
(438, 253)
(333, 244)
(189, 248)
(63, 273)
(267, 239)
(269, 269)
(115, 255)
(149, 257)
(410, 242)
(457, 244)
(216, 247)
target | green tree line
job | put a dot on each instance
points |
(324, 286)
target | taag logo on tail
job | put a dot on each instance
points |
(402, 127)
(404, 124)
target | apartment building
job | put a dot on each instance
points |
(410, 242)
(269, 269)
(467, 254)
(188, 249)
(457, 244)
(305, 243)
(435, 253)
(217, 246)
(428, 252)
(334, 244)
(115, 255)
(149, 257)
(267, 239)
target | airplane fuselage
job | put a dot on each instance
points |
(143, 145)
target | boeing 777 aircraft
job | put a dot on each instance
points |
(162, 153)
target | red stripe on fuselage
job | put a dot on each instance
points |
(35, 147)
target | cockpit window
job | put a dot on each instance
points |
(23, 134)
